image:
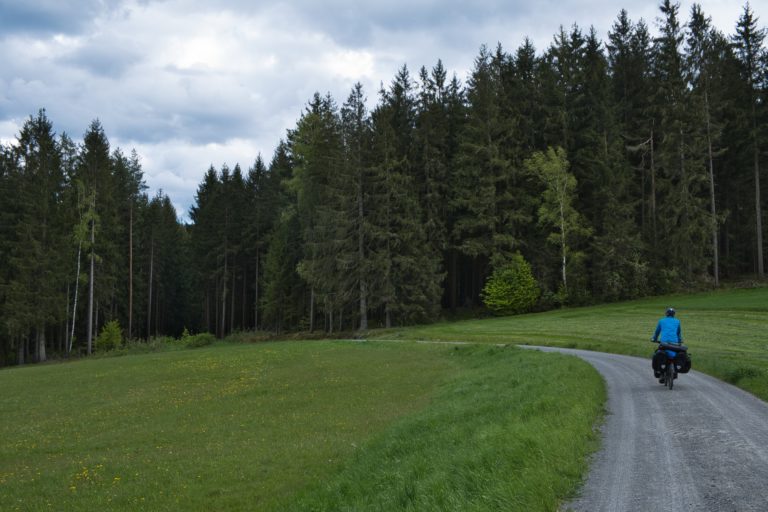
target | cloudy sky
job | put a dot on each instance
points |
(190, 83)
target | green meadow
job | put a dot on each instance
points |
(299, 426)
(344, 425)
(726, 331)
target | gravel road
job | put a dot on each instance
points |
(701, 447)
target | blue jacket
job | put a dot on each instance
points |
(668, 330)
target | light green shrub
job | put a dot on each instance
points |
(511, 289)
(110, 337)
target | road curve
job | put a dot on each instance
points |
(701, 447)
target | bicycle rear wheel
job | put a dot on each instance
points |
(670, 375)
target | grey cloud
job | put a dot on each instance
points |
(356, 23)
(104, 58)
(50, 16)
(194, 124)
(126, 75)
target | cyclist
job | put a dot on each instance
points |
(667, 331)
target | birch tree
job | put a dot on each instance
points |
(557, 210)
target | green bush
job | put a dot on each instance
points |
(240, 337)
(197, 340)
(110, 338)
(511, 289)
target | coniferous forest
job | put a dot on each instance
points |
(616, 169)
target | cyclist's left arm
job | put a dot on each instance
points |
(657, 332)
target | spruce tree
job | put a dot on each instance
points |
(629, 59)
(406, 276)
(7, 209)
(205, 241)
(283, 302)
(704, 63)
(455, 105)
(614, 256)
(130, 185)
(686, 222)
(432, 154)
(262, 207)
(480, 231)
(354, 204)
(748, 42)
(35, 291)
(238, 201)
(317, 151)
(95, 171)
(172, 285)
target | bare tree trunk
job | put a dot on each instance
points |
(312, 309)
(41, 344)
(21, 353)
(217, 309)
(74, 306)
(157, 311)
(224, 283)
(243, 309)
(112, 303)
(361, 256)
(653, 194)
(758, 209)
(715, 253)
(208, 310)
(453, 287)
(643, 207)
(363, 306)
(65, 347)
(130, 272)
(151, 272)
(563, 242)
(64, 336)
(684, 181)
(96, 320)
(232, 309)
(758, 217)
(90, 289)
(256, 298)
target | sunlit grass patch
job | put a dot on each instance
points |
(725, 331)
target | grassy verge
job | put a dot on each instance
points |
(725, 330)
(512, 431)
(247, 427)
